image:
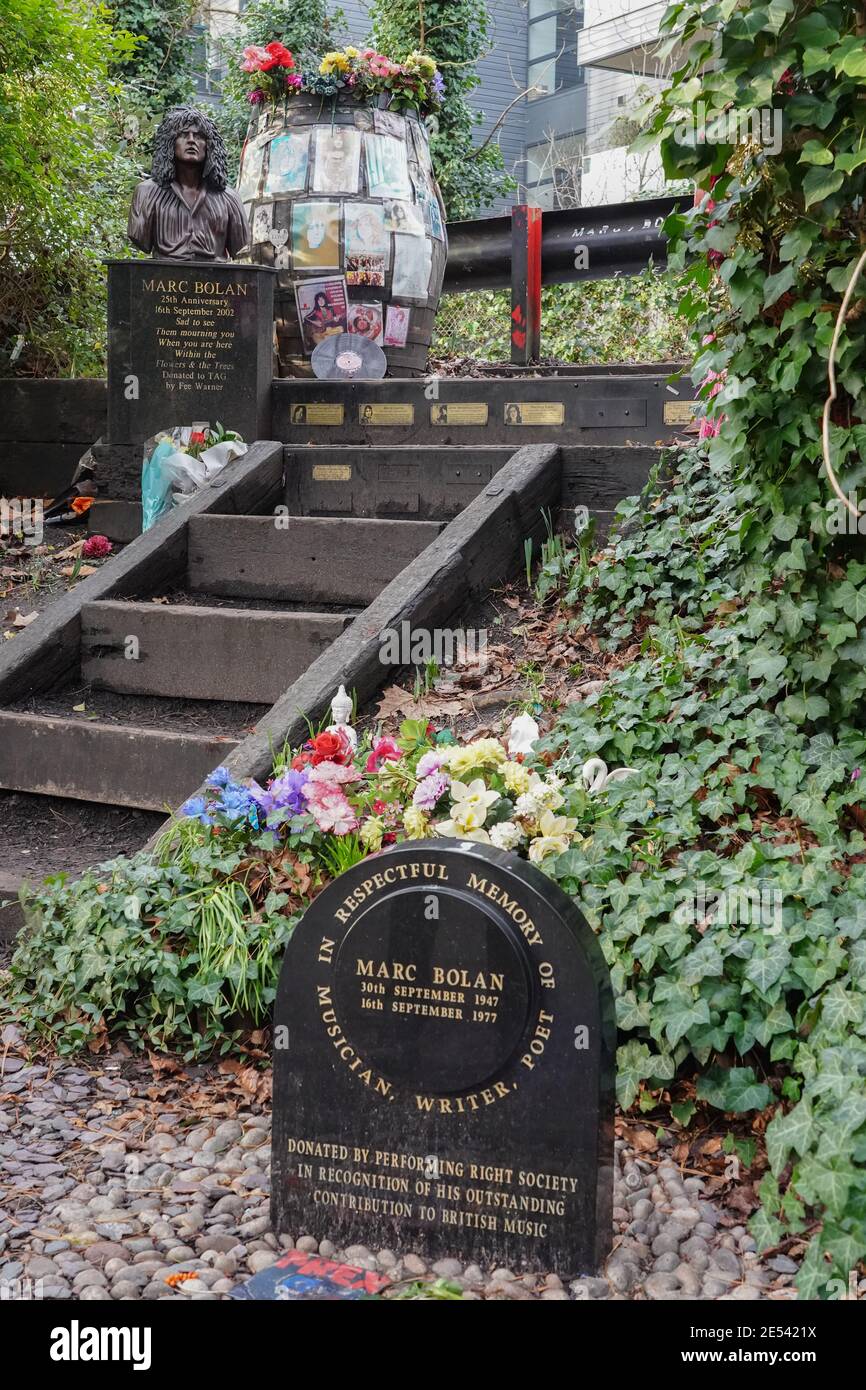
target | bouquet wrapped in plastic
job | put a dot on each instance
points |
(180, 460)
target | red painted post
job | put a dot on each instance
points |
(525, 284)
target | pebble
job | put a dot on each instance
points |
(197, 1202)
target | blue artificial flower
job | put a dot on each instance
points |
(219, 777)
(195, 808)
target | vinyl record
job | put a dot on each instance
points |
(347, 357)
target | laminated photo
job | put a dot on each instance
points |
(366, 270)
(387, 167)
(263, 221)
(366, 320)
(413, 258)
(322, 308)
(403, 217)
(338, 159)
(365, 230)
(422, 146)
(289, 159)
(316, 235)
(433, 219)
(396, 325)
(251, 169)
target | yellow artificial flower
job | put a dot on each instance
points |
(471, 803)
(351, 52)
(415, 823)
(483, 752)
(420, 62)
(554, 835)
(371, 833)
(516, 777)
(334, 62)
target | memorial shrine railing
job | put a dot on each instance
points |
(531, 248)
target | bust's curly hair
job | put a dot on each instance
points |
(179, 119)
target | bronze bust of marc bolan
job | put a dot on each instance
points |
(184, 211)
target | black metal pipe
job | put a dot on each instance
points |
(618, 239)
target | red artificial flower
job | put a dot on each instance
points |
(301, 760)
(331, 748)
(383, 748)
(280, 56)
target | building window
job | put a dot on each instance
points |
(552, 46)
(553, 171)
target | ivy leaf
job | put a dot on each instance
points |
(813, 152)
(847, 163)
(820, 184)
(787, 1132)
(766, 1230)
(735, 1089)
(853, 60)
(766, 968)
(766, 665)
(633, 1063)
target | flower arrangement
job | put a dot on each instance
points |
(415, 82)
(341, 798)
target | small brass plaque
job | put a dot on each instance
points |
(332, 472)
(459, 413)
(394, 413)
(680, 412)
(534, 412)
(315, 413)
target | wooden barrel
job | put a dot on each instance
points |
(342, 201)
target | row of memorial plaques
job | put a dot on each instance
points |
(403, 413)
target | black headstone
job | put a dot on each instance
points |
(188, 341)
(443, 1064)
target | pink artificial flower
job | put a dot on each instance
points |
(332, 774)
(429, 762)
(380, 66)
(331, 810)
(294, 79)
(96, 548)
(256, 59)
(383, 748)
(256, 97)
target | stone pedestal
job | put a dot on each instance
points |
(188, 341)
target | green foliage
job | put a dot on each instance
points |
(158, 74)
(727, 877)
(633, 319)
(61, 164)
(170, 945)
(785, 228)
(456, 33)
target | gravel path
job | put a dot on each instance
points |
(113, 1177)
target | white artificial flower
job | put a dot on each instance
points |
(505, 835)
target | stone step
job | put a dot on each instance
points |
(117, 764)
(201, 653)
(300, 558)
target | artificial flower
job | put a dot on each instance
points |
(553, 838)
(196, 810)
(383, 749)
(415, 823)
(430, 790)
(96, 548)
(331, 809)
(483, 752)
(470, 804)
(331, 747)
(372, 833)
(220, 777)
(427, 763)
(516, 777)
(505, 835)
(333, 773)
(333, 62)
(284, 793)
